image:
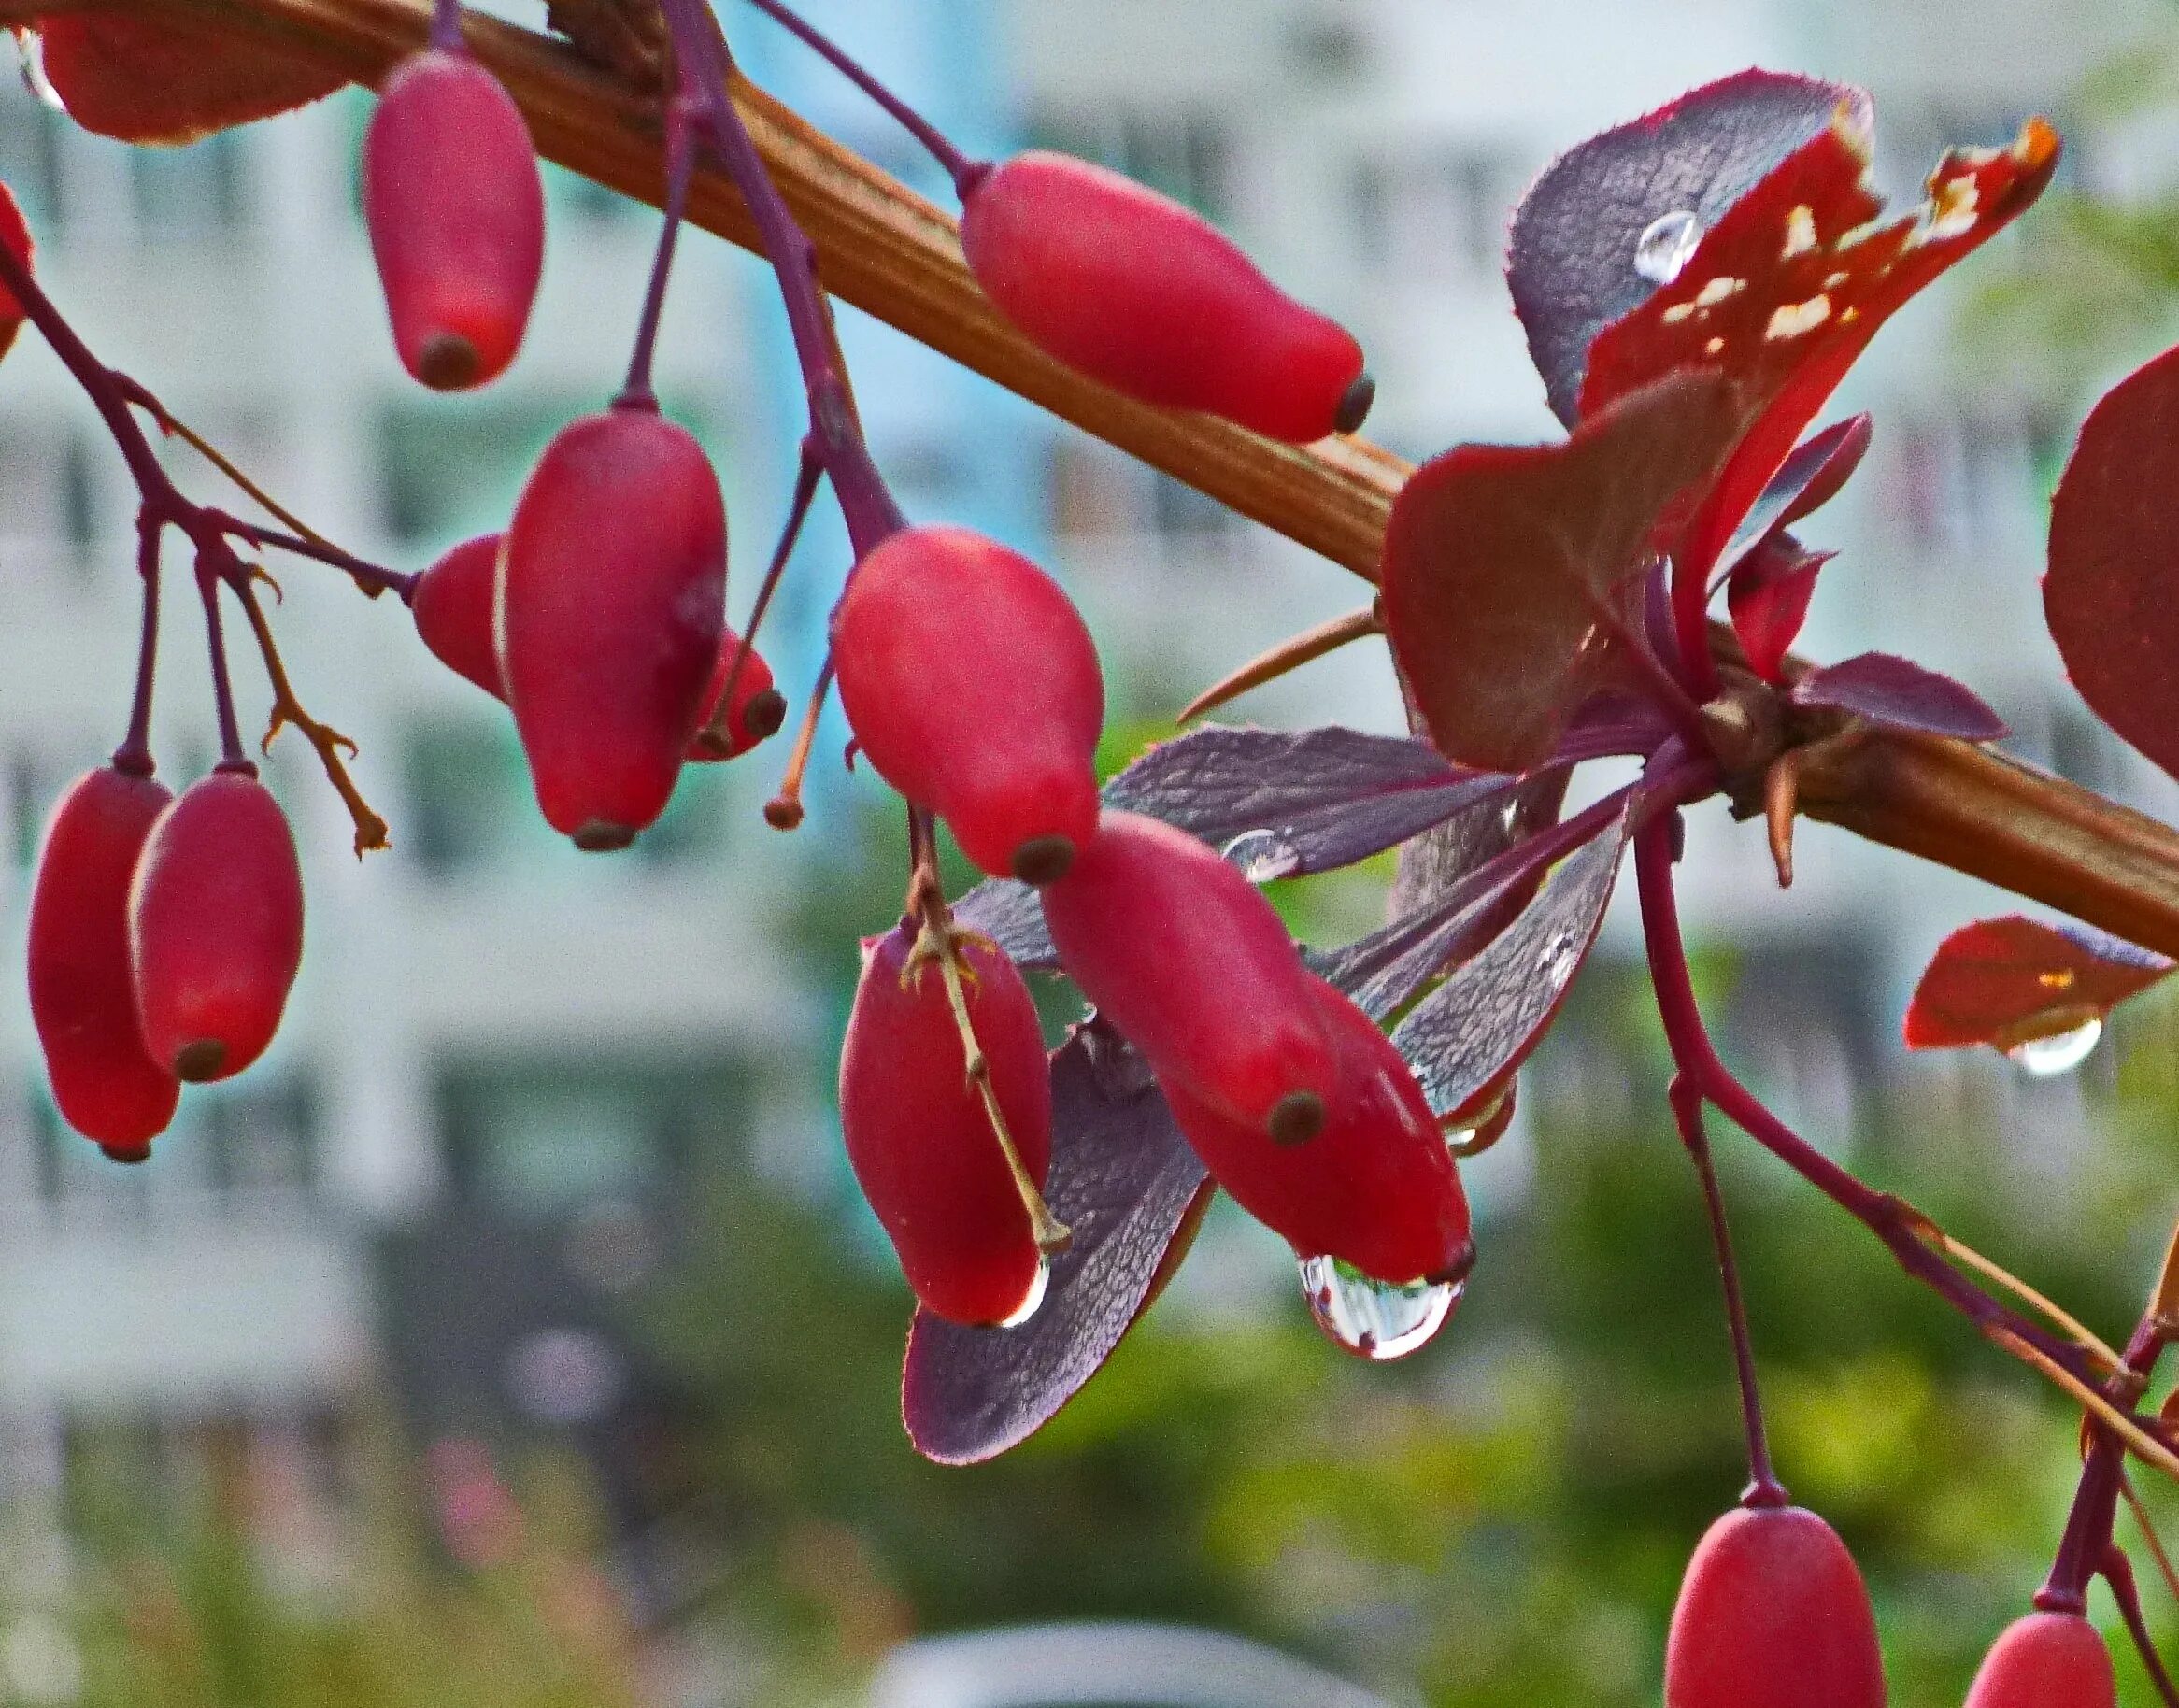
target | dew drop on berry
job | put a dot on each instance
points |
(2059, 1052)
(30, 49)
(1033, 1300)
(1667, 244)
(1262, 856)
(1374, 1319)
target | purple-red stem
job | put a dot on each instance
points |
(865, 504)
(680, 165)
(447, 25)
(2118, 1572)
(134, 755)
(963, 171)
(231, 756)
(1697, 1061)
(372, 577)
(1763, 1486)
(807, 473)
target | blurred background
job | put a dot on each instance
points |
(513, 1334)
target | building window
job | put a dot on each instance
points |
(1185, 156)
(1433, 216)
(451, 469)
(202, 188)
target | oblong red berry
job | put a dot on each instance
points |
(82, 991)
(15, 234)
(216, 926)
(973, 688)
(167, 79)
(452, 603)
(917, 1134)
(1180, 953)
(456, 211)
(1376, 1188)
(1772, 1613)
(611, 603)
(1140, 292)
(2047, 1660)
(758, 711)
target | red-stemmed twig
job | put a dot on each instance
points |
(718, 736)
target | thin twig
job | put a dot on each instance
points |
(1287, 655)
(2118, 1572)
(783, 811)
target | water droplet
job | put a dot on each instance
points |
(1033, 1300)
(1262, 856)
(1374, 1319)
(2059, 1052)
(30, 48)
(1667, 244)
(1560, 956)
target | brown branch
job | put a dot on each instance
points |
(895, 255)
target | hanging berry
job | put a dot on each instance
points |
(1772, 1613)
(82, 992)
(15, 234)
(758, 710)
(1375, 1188)
(1137, 291)
(1181, 953)
(216, 926)
(456, 211)
(918, 1133)
(452, 603)
(973, 689)
(611, 605)
(2047, 1660)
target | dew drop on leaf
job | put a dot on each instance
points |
(1032, 1300)
(1375, 1319)
(2059, 1052)
(30, 49)
(1262, 856)
(1667, 244)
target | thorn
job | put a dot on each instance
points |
(1289, 654)
(1780, 803)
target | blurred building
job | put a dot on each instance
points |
(505, 1059)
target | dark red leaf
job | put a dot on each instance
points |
(1465, 1038)
(1811, 476)
(1502, 564)
(1767, 598)
(1793, 282)
(2008, 982)
(1128, 1186)
(15, 235)
(1573, 263)
(170, 79)
(2112, 596)
(1901, 695)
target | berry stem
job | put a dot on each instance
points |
(1890, 1219)
(783, 811)
(2118, 1571)
(963, 171)
(2146, 1524)
(134, 755)
(867, 506)
(680, 166)
(446, 26)
(809, 472)
(231, 756)
(372, 578)
(1763, 1486)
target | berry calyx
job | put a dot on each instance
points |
(1772, 1613)
(456, 211)
(452, 603)
(82, 990)
(1192, 965)
(1146, 296)
(919, 1134)
(216, 926)
(1375, 1188)
(2047, 1660)
(973, 689)
(167, 80)
(611, 605)
(756, 713)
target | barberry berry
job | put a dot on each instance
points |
(759, 707)
(2047, 1660)
(452, 603)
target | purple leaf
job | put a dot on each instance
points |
(1126, 1183)
(1011, 916)
(1901, 695)
(1577, 232)
(1767, 597)
(1819, 466)
(1465, 1038)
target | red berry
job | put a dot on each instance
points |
(452, 607)
(216, 926)
(2047, 1660)
(167, 79)
(15, 235)
(759, 707)
(456, 209)
(1376, 1188)
(974, 689)
(917, 1134)
(1179, 952)
(1137, 292)
(83, 993)
(612, 599)
(1772, 1613)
